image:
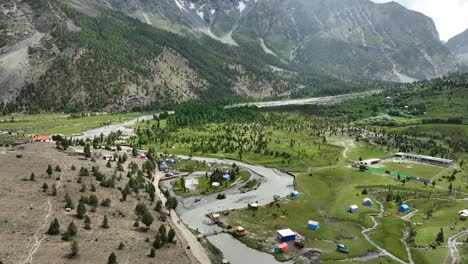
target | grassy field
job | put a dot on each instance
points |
(204, 187)
(311, 151)
(410, 168)
(59, 124)
(388, 236)
(444, 215)
(336, 189)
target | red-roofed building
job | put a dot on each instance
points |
(41, 139)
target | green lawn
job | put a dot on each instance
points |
(324, 198)
(204, 186)
(388, 236)
(59, 124)
(410, 168)
(444, 215)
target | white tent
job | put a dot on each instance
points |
(353, 208)
(215, 184)
(463, 214)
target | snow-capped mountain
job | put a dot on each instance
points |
(348, 39)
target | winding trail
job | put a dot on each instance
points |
(376, 225)
(38, 238)
(453, 250)
(196, 248)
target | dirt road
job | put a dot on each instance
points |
(453, 250)
(196, 248)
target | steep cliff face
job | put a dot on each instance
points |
(459, 46)
(348, 39)
(95, 54)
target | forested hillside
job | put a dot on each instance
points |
(115, 62)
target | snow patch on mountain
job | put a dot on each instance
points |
(241, 6)
(180, 5)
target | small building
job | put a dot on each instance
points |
(215, 217)
(463, 214)
(353, 208)
(369, 162)
(404, 208)
(40, 138)
(215, 184)
(424, 159)
(367, 202)
(226, 177)
(240, 231)
(314, 225)
(294, 194)
(286, 235)
(281, 248)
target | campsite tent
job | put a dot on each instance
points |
(353, 209)
(463, 214)
(163, 166)
(40, 138)
(226, 177)
(367, 202)
(314, 225)
(240, 231)
(286, 235)
(403, 208)
(280, 248)
(294, 194)
(215, 184)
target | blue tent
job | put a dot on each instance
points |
(314, 225)
(367, 202)
(403, 208)
(226, 177)
(286, 235)
(294, 194)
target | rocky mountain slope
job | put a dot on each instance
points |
(114, 54)
(347, 39)
(459, 45)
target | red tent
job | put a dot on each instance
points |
(41, 138)
(283, 247)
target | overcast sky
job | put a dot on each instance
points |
(450, 16)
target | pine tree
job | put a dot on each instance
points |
(45, 187)
(440, 236)
(69, 202)
(157, 241)
(158, 206)
(87, 223)
(54, 228)
(162, 232)
(121, 246)
(81, 210)
(74, 248)
(72, 229)
(109, 165)
(147, 219)
(112, 259)
(105, 222)
(49, 170)
(32, 177)
(170, 235)
(87, 151)
(152, 253)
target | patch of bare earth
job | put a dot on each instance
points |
(27, 212)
